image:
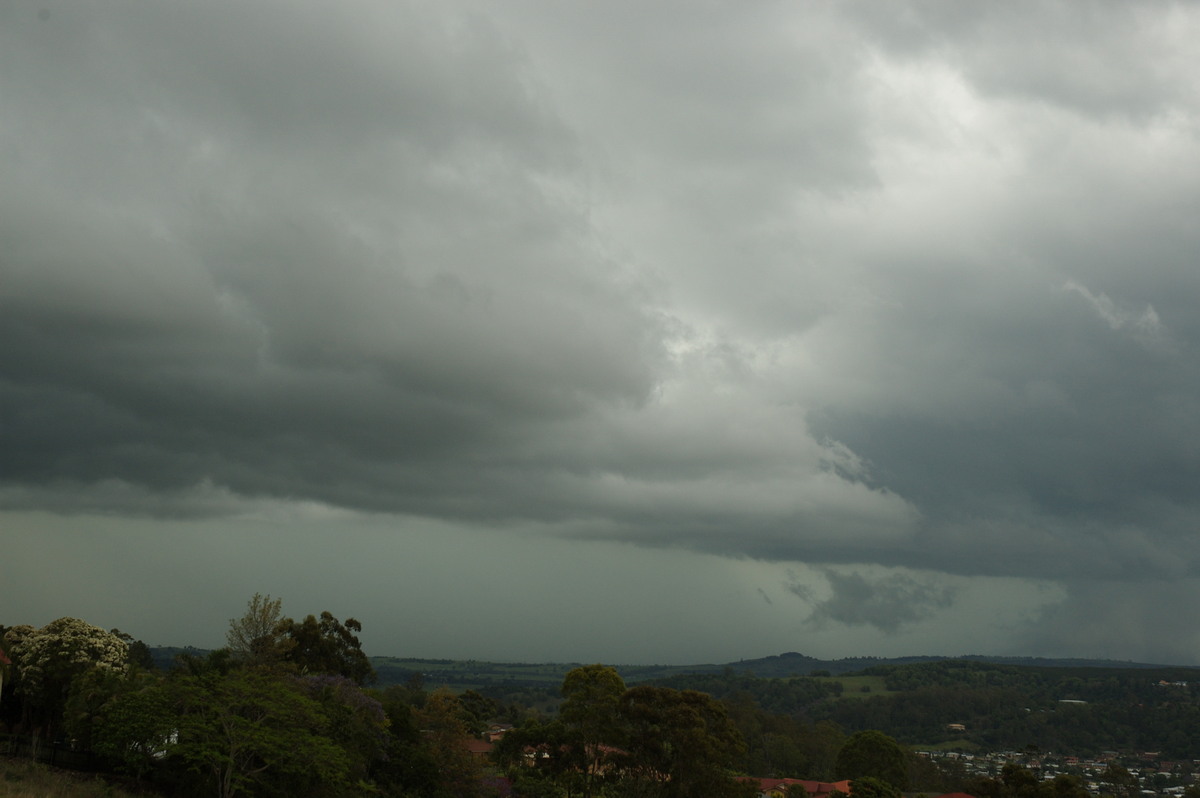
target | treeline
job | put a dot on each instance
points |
(288, 707)
(285, 709)
(651, 740)
(1082, 711)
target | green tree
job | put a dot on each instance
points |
(536, 756)
(90, 692)
(868, 787)
(478, 710)
(139, 653)
(873, 754)
(140, 656)
(1123, 783)
(356, 721)
(591, 721)
(1065, 785)
(256, 638)
(1018, 782)
(408, 766)
(678, 743)
(446, 733)
(247, 729)
(136, 728)
(327, 646)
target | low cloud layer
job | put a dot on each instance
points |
(886, 603)
(884, 292)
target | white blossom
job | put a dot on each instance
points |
(50, 658)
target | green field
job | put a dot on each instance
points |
(859, 686)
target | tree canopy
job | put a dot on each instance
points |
(873, 754)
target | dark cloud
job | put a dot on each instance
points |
(905, 289)
(886, 603)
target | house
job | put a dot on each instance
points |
(479, 749)
(497, 730)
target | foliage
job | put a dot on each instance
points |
(868, 787)
(1017, 782)
(136, 728)
(256, 637)
(1011, 707)
(22, 778)
(678, 743)
(355, 721)
(783, 746)
(590, 720)
(285, 716)
(248, 728)
(86, 699)
(50, 659)
(446, 733)
(407, 766)
(875, 755)
(1121, 782)
(327, 646)
(641, 741)
(790, 696)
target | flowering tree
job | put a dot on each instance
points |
(50, 659)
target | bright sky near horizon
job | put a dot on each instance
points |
(659, 332)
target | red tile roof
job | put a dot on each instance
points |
(478, 747)
(816, 789)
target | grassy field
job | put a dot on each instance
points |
(21, 778)
(859, 686)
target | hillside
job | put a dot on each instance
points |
(1082, 706)
(477, 674)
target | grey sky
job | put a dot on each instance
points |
(618, 331)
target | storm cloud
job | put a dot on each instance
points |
(884, 314)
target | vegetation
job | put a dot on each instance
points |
(872, 754)
(22, 778)
(283, 711)
(290, 708)
(647, 741)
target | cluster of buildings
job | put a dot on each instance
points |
(1155, 776)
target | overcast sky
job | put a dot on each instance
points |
(632, 332)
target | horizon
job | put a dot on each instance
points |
(742, 660)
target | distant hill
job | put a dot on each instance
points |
(478, 674)
(1080, 706)
(794, 664)
(164, 656)
(481, 673)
